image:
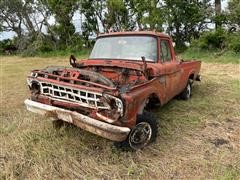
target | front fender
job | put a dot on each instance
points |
(137, 97)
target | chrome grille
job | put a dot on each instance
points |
(81, 97)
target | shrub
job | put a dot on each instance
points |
(7, 45)
(218, 40)
(76, 43)
(211, 40)
(233, 42)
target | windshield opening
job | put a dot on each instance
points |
(125, 47)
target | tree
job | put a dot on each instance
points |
(26, 18)
(22, 17)
(93, 12)
(234, 12)
(118, 17)
(93, 15)
(148, 14)
(63, 12)
(186, 19)
(218, 14)
(103, 15)
(10, 16)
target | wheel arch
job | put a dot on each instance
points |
(151, 98)
(191, 76)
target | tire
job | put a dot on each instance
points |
(58, 124)
(187, 92)
(144, 132)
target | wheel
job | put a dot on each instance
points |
(57, 124)
(142, 134)
(187, 92)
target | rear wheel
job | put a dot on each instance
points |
(187, 92)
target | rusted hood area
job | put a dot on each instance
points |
(152, 68)
(111, 63)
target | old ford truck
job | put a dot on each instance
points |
(108, 93)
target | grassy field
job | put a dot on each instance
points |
(198, 139)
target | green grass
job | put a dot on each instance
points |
(31, 149)
(211, 56)
(230, 174)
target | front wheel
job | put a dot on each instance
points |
(142, 134)
(58, 124)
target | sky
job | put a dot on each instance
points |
(76, 22)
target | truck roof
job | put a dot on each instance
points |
(151, 33)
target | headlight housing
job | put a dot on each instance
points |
(118, 102)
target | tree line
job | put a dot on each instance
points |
(185, 21)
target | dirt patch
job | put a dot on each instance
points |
(218, 142)
(226, 133)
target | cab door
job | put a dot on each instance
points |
(171, 68)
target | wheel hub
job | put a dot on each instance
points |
(188, 90)
(140, 135)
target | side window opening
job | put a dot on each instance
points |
(165, 51)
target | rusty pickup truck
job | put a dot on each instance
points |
(108, 94)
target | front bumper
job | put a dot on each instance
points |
(108, 131)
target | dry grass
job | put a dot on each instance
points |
(198, 139)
